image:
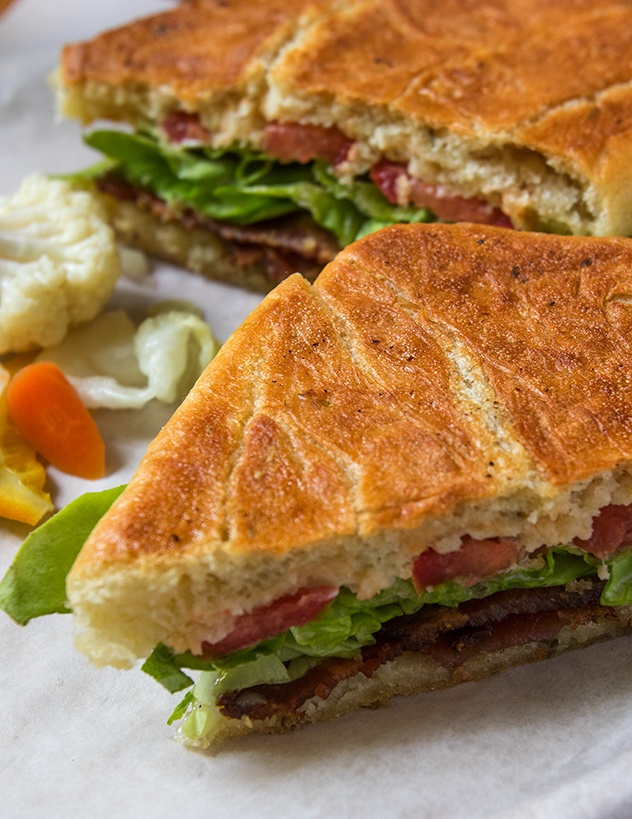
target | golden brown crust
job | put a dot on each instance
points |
(285, 413)
(198, 49)
(547, 319)
(435, 380)
(533, 60)
(466, 66)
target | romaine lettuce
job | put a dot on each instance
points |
(35, 584)
(244, 187)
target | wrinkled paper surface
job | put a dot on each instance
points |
(549, 740)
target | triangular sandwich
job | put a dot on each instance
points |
(414, 472)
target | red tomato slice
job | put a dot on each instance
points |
(474, 560)
(612, 529)
(446, 206)
(293, 142)
(179, 127)
(264, 622)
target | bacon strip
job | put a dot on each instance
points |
(280, 247)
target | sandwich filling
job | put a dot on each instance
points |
(487, 596)
(289, 207)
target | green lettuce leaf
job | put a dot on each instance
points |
(35, 584)
(618, 590)
(161, 667)
(181, 708)
(244, 187)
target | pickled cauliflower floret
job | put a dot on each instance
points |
(58, 263)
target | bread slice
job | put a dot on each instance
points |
(525, 105)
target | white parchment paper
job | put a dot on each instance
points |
(549, 740)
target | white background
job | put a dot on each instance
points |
(550, 740)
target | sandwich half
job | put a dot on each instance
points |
(263, 137)
(415, 472)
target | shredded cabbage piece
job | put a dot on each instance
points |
(112, 363)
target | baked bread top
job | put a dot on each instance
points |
(463, 65)
(186, 58)
(484, 98)
(435, 381)
(467, 66)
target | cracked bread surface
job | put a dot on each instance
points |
(435, 381)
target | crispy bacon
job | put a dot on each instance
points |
(400, 188)
(474, 560)
(293, 142)
(262, 701)
(612, 529)
(296, 233)
(268, 621)
(420, 630)
(452, 650)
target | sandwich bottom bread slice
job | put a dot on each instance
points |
(415, 472)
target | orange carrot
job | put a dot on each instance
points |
(48, 412)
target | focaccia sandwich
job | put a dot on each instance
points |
(266, 136)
